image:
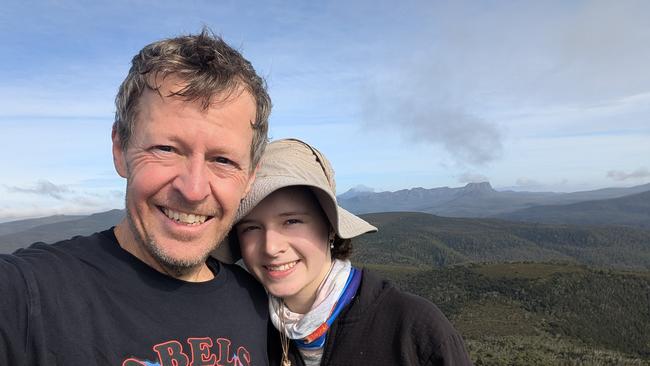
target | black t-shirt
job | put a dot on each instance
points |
(86, 301)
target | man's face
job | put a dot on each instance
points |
(187, 170)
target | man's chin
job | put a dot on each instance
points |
(177, 263)
(181, 269)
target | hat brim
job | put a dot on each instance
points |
(346, 224)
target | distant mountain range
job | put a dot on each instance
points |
(610, 206)
(481, 200)
(20, 225)
(19, 234)
(632, 210)
(410, 238)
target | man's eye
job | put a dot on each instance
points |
(165, 148)
(224, 161)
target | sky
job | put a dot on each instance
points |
(528, 95)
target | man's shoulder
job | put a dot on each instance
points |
(46, 266)
(41, 255)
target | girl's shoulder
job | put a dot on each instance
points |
(399, 304)
(412, 321)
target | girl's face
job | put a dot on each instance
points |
(284, 243)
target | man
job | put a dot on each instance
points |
(190, 127)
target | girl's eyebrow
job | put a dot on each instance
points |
(282, 214)
(245, 221)
(294, 213)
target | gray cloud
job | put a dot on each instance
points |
(468, 138)
(472, 178)
(44, 188)
(636, 174)
(420, 114)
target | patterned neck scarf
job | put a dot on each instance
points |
(309, 331)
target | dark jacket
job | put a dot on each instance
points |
(385, 326)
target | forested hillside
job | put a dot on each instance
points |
(521, 293)
(539, 314)
(425, 240)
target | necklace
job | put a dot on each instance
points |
(284, 339)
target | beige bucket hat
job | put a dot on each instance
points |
(292, 162)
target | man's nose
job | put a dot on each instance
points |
(193, 180)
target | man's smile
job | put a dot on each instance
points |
(183, 217)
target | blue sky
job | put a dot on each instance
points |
(529, 95)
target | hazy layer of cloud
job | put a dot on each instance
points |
(534, 185)
(527, 182)
(45, 198)
(43, 188)
(619, 175)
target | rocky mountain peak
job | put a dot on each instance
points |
(481, 187)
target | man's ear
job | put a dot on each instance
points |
(119, 155)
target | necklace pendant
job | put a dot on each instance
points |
(286, 363)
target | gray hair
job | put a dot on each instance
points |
(208, 67)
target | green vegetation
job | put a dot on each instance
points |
(418, 239)
(539, 313)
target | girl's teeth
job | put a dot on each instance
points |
(282, 267)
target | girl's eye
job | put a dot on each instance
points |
(292, 221)
(246, 229)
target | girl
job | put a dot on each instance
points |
(295, 239)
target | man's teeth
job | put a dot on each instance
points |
(282, 267)
(185, 218)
